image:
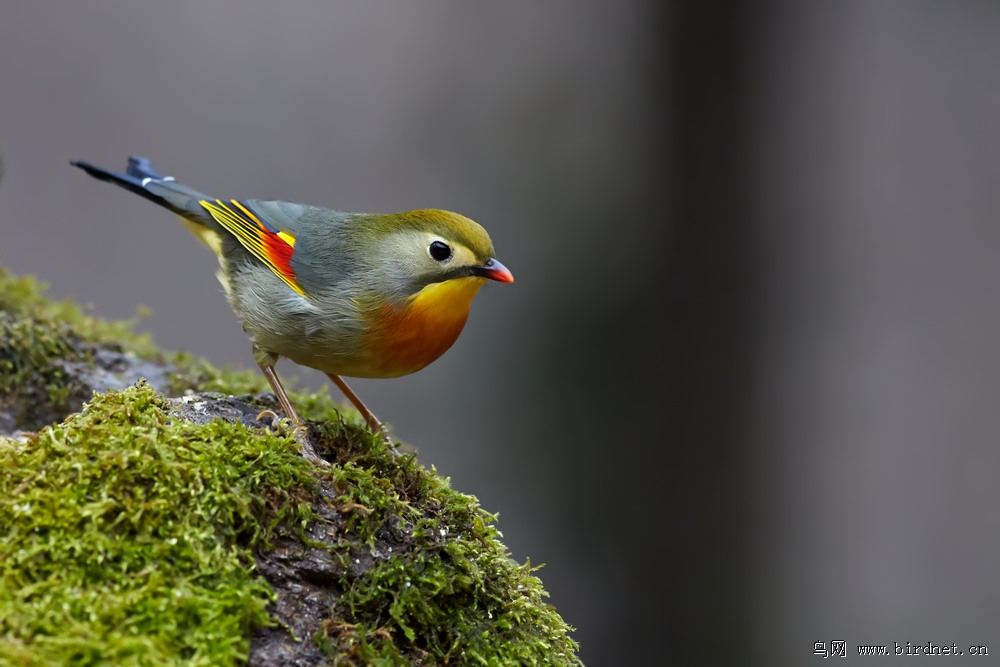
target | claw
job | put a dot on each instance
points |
(301, 435)
(383, 430)
(267, 413)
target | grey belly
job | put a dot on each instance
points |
(324, 335)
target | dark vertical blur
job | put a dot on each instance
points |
(708, 282)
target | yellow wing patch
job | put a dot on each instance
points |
(272, 247)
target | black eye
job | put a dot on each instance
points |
(440, 251)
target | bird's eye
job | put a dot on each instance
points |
(440, 251)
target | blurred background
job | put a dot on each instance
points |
(743, 396)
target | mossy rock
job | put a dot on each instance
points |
(145, 530)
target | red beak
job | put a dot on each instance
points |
(494, 270)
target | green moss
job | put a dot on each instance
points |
(442, 588)
(23, 298)
(127, 535)
(44, 346)
(32, 357)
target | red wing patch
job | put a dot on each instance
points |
(274, 248)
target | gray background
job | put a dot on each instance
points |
(743, 395)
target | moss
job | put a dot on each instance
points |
(440, 586)
(45, 346)
(127, 535)
(32, 372)
(23, 298)
(130, 536)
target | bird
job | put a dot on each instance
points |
(361, 295)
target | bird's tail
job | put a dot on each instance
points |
(140, 179)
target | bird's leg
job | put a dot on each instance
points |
(279, 391)
(301, 434)
(373, 423)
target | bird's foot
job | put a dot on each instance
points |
(301, 434)
(383, 430)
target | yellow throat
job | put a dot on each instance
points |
(404, 340)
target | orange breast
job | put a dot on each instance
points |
(404, 339)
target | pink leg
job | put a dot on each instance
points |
(373, 423)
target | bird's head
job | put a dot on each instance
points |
(430, 253)
(422, 270)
